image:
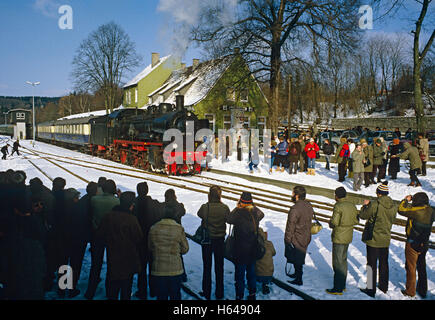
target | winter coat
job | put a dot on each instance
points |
(378, 155)
(48, 201)
(423, 148)
(180, 210)
(298, 228)
(358, 161)
(282, 148)
(102, 204)
(246, 221)
(26, 259)
(352, 148)
(119, 230)
(386, 213)
(394, 165)
(342, 152)
(419, 224)
(311, 150)
(328, 149)
(79, 225)
(214, 216)
(344, 218)
(264, 267)
(148, 212)
(368, 155)
(167, 242)
(294, 151)
(301, 156)
(412, 154)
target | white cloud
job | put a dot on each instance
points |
(186, 14)
(48, 8)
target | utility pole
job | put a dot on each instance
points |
(33, 84)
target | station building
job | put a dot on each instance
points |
(18, 124)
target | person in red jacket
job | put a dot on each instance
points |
(311, 150)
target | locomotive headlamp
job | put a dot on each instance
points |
(189, 114)
(175, 146)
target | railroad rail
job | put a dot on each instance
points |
(184, 287)
(237, 191)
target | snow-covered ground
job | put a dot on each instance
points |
(318, 274)
(329, 179)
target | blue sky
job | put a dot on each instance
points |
(34, 48)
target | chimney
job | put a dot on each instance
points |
(179, 102)
(195, 63)
(183, 66)
(155, 58)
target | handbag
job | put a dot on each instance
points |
(367, 163)
(202, 235)
(316, 226)
(260, 249)
(229, 245)
(369, 227)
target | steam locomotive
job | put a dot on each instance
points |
(134, 137)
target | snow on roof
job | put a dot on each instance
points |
(95, 113)
(201, 80)
(145, 72)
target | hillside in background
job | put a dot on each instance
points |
(8, 103)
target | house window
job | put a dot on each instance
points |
(244, 95)
(211, 120)
(135, 95)
(231, 94)
(227, 122)
(261, 123)
(245, 122)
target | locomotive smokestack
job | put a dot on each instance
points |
(179, 102)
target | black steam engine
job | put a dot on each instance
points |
(135, 137)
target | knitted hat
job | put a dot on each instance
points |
(383, 188)
(396, 141)
(246, 198)
(340, 192)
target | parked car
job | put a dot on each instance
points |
(431, 138)
(350, 134)
(387, 135)
(333, 136)
(368, 136)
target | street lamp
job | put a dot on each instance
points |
(33, 84)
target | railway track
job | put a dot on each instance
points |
(184, 287)
(282, 206)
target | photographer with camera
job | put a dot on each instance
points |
(418, 229)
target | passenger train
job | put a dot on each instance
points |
(132, 136)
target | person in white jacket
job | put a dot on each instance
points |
(352, 148)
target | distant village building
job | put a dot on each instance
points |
(221, 90)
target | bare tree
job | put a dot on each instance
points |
(262, 29)
(419, 52)
(102, 60)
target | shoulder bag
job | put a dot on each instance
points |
(316, 226)
(369, 227)
(202, 235)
